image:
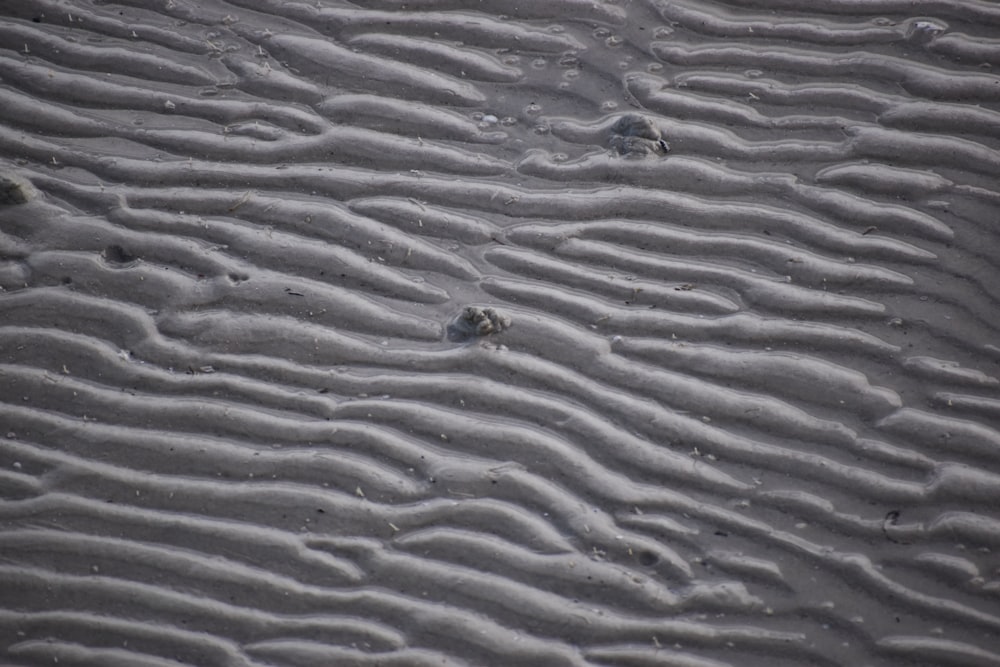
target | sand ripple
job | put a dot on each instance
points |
(746, 410)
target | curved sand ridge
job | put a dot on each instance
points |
(733, 394)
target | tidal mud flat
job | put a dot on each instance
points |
(499, 333)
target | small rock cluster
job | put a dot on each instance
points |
(635, 135)
(16, 190)
(485, 321)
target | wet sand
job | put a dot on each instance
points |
(499, 333)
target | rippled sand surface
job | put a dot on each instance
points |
(499, 332)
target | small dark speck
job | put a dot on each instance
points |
(648, 558)
(116, 254)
